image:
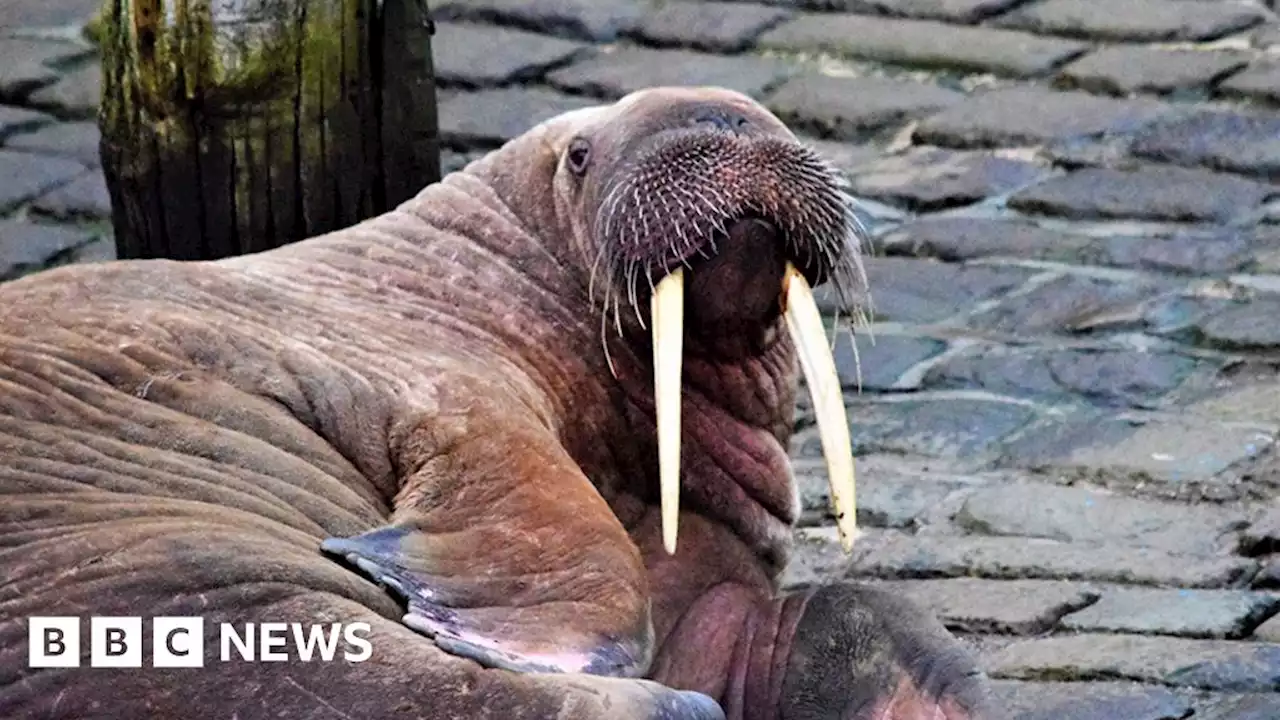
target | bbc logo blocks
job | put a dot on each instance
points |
(179, 642)
(115, 642)
(53, 642)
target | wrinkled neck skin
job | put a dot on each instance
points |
(737, 412)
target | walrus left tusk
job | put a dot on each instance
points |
(668, 353)
(805, 325)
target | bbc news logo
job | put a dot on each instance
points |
(179, 642)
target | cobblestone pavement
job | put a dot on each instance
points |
(1067, 418)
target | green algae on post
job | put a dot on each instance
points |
(232, 126)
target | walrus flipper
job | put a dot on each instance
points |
(504, 552)
(437, 607)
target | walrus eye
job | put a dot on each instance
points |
(579, 155)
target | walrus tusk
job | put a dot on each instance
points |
(804, 322)
(805, 325)
(668, 353)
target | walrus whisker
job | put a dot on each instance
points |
(853, 244)
(853, 345)
(643, 217)
(684, 239)
(604, 339)
(609, 209)
(631, 291)
(591, 282)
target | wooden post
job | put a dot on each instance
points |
(233, 126)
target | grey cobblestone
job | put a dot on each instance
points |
(925, 292)
(1268, 578)
(937, 427)
(954, 239)
(958, 11)
(1247, 326)
(1177, 316)
(1238, 396)
(712, 27)
(816, 557)
(1237, 142)
(903, 493)
(1094, 701)
(482, 55)
(452, 161)
(1217, 254)
(100, 249)
(600, 20)
(1167, 193)
(75, 95)
(86, 197)
(1222, 614)
(1250, 706)
(1263, 534)
(1122, 70)
(1027, 115)
(1208, 664)
(846, 157)
(75, 140)
(14, 120)
(1260, 81)
(20, 14)
(929, 179)
(1213, 251)
(847, 108)
(1013, 607)
(1266, 37)
(1268, 631)
(1173, 450)
(1134, 20)
(1067, 304)
(29, 176)
(612, 75)
(881, 361)
(27, 65)
(1006, 558)
(1119, 378)
(922, 44)
(28, 247)
(492, 117)
(1077, 514)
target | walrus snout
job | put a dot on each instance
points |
(714, 201)
(720, 117)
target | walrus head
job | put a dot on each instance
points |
(701, 216)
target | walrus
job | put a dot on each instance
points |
(530, 426)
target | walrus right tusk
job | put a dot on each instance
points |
(668, 355)
(805, 325)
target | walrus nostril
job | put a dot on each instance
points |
(721, 119)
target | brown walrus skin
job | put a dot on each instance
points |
(428, 394)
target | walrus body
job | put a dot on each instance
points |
(426, 397)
